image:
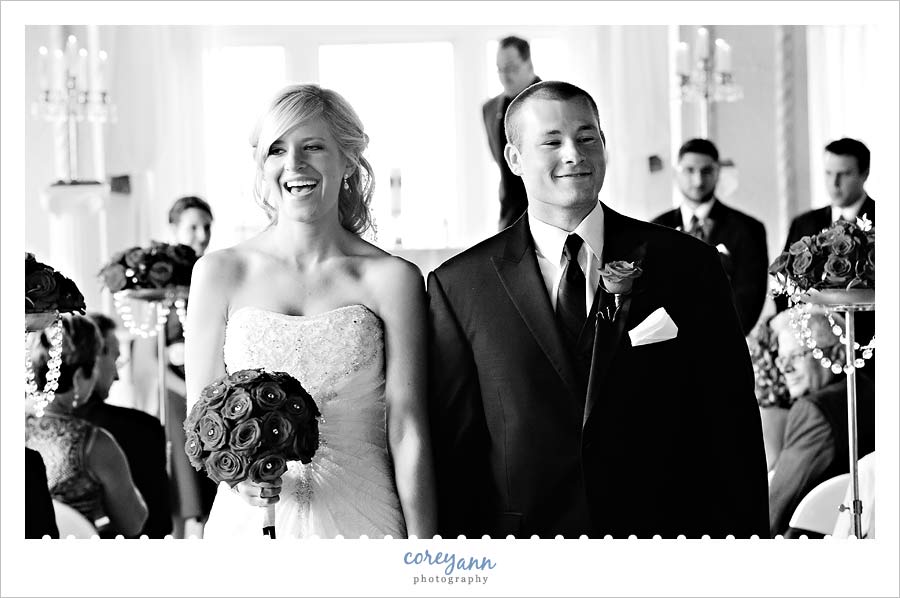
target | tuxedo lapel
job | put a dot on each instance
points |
(619, 243)
(520, 276)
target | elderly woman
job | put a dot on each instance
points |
(86, 468)
(816, 445)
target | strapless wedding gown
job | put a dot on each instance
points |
(348, 488)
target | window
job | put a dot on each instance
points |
(404, 94)
(237, 83)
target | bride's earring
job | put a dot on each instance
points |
(346, 184)
(75, 398)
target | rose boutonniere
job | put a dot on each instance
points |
(619, 276)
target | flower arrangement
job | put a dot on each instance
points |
(249, 425)
(841, 256)
(46, 290)
(158, 266)
(770, 388)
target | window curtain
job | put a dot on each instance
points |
(853, 78)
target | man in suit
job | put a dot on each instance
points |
(516, 73)
(846, 170)
(40, 518)
(739, 238)
(139, 434)
(558, 408)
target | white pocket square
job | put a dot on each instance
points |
(655, 328)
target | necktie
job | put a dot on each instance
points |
(570, 309)
(695, 228)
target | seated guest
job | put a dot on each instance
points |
(740, 238)
(816, 444)
(771, 392)
(139, 434)
(86, 468)
(40, 519)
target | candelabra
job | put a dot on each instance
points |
(69, 96)
(711, 78)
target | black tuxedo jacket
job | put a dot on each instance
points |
(40, 518)
(747, 260)
(667, 439)
(142, 440)
(812, 223)
(513, 200)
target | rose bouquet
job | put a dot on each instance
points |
(248, 426)
(159, 266)
(841, 256)
(47, 290)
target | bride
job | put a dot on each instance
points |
(310, 297)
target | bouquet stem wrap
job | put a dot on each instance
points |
(269, 521)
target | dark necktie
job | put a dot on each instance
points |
(570, 300)
(696, 229)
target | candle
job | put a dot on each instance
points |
(82, 69)
(682, 60)
(71, 56)
(100, 84)
(58, 71)
(44, 71)
(723, 56)
(702, 44)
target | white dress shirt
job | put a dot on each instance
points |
(549, 242)
(701, 212)
(850, 212)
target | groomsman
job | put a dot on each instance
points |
(561, 406)
(846, 170)
(740, 239)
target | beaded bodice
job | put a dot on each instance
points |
(63, 441)
(324, 352)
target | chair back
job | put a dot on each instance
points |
(71, 522)
(819, 510)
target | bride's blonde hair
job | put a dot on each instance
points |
(292, 106)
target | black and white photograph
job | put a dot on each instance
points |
(438, 298)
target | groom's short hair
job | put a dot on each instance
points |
(545, 90)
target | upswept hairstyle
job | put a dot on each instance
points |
(296, 104)
(81, 344)
(546, 90)
(851, 147)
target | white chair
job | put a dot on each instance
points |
(819, 510)
(72, 523)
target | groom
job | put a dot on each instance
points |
(560, 408)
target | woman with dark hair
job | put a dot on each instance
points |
(86, 468)
(310, 297)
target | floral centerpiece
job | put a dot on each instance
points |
(47, 294)
(158, 266)
(841, 257)
(248, 426)
(46, 290)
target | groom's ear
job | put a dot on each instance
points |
(513, 159)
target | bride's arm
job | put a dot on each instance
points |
(211, 282)
(401, 302)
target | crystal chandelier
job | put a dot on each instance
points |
(710, 79)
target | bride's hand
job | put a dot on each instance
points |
(259, 495)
